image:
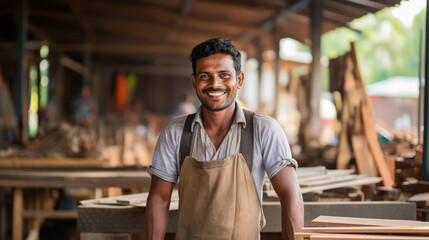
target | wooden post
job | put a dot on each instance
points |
(315, 76)
(2, 214)
(426, 107)
(277, 62)
(260, 62)
(21, 83)
(18, 205)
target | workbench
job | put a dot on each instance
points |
(124, 222)
(54, 178)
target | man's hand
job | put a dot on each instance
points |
(156, 213)
(286, 185)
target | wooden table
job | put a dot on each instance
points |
(20, 179)
(121, 222)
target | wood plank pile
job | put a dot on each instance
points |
(115, 146)
(133, 200)
(358, 137)
(319, 179)
(333, 227)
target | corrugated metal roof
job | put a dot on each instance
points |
(397, 86)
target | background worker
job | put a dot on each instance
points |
(220, 191)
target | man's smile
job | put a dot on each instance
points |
(218, 92)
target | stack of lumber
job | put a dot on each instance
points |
(318, 179)
(133, 200)
(330, 227)
(358, 137)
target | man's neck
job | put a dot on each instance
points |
(218, 120)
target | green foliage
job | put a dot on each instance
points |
(384, 46)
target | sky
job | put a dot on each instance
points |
(407, 10)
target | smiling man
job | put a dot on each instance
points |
(221, 155)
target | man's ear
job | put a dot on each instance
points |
(193, 80)
(240, 79)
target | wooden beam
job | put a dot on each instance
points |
(129, 25)
(315, 74)
(344, 8)
(297, 7)
(155, 70)
(75, 66)
(128, 48)
(150, 12)
(369, 3)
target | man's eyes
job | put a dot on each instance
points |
(221, 75)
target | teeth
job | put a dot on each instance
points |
(215, 94)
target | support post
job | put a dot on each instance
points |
(260, 63)
(277, 63)
(426, 106)
(315, 75)
(18, 205)
(21, 83)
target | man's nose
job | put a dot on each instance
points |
(215, 81)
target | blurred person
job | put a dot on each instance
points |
(8, 121)
(187, 106)
(85, 107)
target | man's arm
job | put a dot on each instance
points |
(286, 185)
(156, 214)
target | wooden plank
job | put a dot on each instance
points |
(325, 175)
(374, 145)
(369, 127)
(420, 197)
(336, 221)
(363, 156)
(105, 236)
(50, 162)
(325, 236)
(329, 180)
(382, 209)
(423, 230)
(18, 205)
(57, 214)
(357, 182)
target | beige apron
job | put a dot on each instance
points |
(218, 200)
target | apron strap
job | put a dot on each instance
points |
(185, 141)
(246, 142)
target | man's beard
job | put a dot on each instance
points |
(228, 91)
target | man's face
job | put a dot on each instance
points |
(215, 81)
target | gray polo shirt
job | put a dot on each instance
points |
(271, 151)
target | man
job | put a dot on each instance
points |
(85, 107)
(220, 191)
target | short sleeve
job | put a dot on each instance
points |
(165, 160)
(275, 149)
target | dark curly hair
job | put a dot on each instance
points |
(213, 46)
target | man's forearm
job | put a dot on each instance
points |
(156, 220)
(292, 218)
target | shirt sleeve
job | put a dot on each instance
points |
(276, 153)
(164, 162)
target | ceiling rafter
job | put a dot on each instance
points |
(153, 12)
(131, 25)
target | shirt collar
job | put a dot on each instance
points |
(238, 117)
